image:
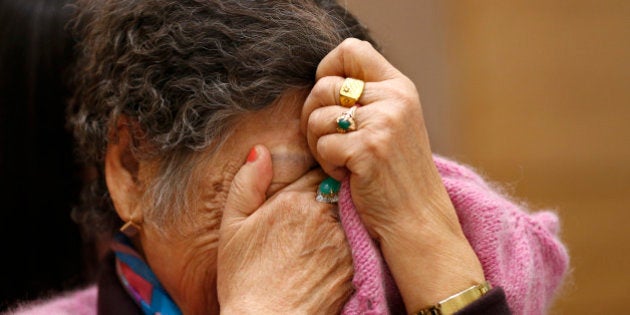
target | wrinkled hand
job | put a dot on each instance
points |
(388, 157)
(287, 254)
(395, 185)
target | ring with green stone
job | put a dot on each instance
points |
(345, 121)
(328, 191)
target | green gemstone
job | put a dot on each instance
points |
(344, 124)
(329, 187)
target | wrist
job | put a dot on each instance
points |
(429, 265)
(429, 211)
(457, 301)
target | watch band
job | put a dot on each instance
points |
(458, 301)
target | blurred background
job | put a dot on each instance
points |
(536, 96)
(533, 94)
(42, 252)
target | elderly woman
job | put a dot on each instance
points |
(213, 125)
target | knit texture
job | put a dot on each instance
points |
(79, 302)
(519, 251)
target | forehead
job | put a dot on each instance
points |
(281, 114)
(277, 127)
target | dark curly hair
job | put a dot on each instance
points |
(183, 71)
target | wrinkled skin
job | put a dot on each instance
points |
(256, 241)
(395, 185)
(291, 247)
(281, 254)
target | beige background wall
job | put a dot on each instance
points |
(536, 95)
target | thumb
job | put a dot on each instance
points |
(247, 192)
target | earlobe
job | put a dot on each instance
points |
(121, 173)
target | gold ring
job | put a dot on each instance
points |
(345, 121)
(350, 91)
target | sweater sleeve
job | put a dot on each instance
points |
(492, 303)
(78, 302)
(520, 250)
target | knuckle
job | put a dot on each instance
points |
(402, 90)
(313, 121)
(366, 45)
(407, 83)
(320, 87)
(323, 150)
(324, 89)
(376, 144)
(350, 41)
(399, 94)
(390, 117)
(327, 167)
(352, 46)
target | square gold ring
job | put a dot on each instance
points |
(350, 91)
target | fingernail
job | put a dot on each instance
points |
(253, 154)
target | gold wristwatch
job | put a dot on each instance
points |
(458, 301)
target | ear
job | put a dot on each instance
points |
(121, 172)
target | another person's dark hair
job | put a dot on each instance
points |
(183, 71)
(39, 179)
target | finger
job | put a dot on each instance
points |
(322, 121)
(247, 192)
(336, 151)
(326, 93)
(357, 59)
(307, 182)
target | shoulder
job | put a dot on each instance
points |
(76, 302)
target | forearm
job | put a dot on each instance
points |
(429, 266)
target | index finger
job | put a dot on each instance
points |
(356, 59)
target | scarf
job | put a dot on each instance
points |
(139, 281)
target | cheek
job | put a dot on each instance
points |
(184, 252)
(185, 265)
(208, 191)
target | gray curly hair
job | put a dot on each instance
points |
(183, 71)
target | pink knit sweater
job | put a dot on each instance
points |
(520, 251)
(79, 302)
